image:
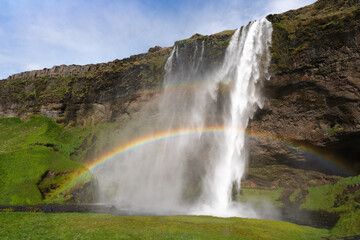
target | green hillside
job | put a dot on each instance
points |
(35, 160)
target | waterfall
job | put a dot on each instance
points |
(245, 66)
(204, 112)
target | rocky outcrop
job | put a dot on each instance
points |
(313, 97)
(59, 71)
(64, 71)
(84, 191)
(82, 95)
(106, 92)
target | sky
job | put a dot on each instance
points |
(37, 34)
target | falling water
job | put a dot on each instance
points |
(196, 173)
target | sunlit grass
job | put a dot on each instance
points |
(28, 150)
(101, 226)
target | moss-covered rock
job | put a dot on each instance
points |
(91, 94)
(312, 99)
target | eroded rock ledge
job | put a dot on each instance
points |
(105, 92)
(313, 98)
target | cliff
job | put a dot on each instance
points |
(86, 95)
(82, 95)
(313, 96)
(312, 99)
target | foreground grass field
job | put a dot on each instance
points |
(102, 226)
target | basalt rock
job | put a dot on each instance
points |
(83, 95)
(154, 49)
(105, 92)
(313, 97)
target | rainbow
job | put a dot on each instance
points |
(183, 132)
(151, 138)
(163, 135)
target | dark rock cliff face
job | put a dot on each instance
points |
(313, 98)
(82, 95)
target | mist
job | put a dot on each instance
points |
(198, 172)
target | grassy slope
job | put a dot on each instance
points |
(24, 156)
(257, 196)
(101, 226)
(342, 197)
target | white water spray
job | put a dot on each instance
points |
(196, 173)
(245, 65)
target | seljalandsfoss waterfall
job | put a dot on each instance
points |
(196, 155)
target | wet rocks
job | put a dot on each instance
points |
(313, 97)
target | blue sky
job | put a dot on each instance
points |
(35, 34)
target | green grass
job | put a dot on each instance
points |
(225, 32)
(28, 150)
(334, 197)
(343, 198)
(22, 170)
(15, 134)
(101, 226)
(348, 224)
(258, 196)
(293, 196)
